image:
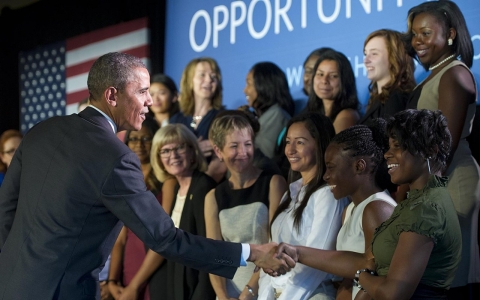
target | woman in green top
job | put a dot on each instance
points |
(417, 250)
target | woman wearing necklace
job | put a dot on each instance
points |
(439, 36)
(201, 99)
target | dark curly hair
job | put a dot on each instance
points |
(321, 129)
(424, 133)
(448, 14)
(369, 141)
(347, 97)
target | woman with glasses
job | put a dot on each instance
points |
(129, 252)
(176, 154)
(9, 142)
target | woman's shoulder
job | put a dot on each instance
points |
(275, 110)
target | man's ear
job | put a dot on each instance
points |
(111, 96)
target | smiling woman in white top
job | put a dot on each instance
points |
(354, 160)
(308, 214)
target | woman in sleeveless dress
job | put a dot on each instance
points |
(354, 161)
(241, 207)
(441, 42)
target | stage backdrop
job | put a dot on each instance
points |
(239, 34)
(53, 78)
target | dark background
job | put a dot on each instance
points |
(49, 21)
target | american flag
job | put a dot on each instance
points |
(53, 78)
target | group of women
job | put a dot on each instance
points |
(203, 165)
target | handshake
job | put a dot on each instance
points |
(274, 259)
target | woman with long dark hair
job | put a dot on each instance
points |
(308, 213)
(335, 91)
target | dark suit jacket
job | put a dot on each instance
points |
(69, 183)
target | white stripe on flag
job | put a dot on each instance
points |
(116, 44)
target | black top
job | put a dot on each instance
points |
(397, 101)
(258, 192)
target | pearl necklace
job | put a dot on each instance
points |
(195, 120)
(440, 63)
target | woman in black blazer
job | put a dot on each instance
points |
(175, 153)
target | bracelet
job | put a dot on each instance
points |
(111, 280)
(250, 290)
(357, 277)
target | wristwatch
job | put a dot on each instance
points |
(250, 290)
(357, 276)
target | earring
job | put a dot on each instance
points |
(450, 42)
(221, 159)
(428, 164)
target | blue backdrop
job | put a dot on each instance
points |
(239, 34)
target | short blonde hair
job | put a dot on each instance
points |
(187, 101)
(175, 133)
(226, 124)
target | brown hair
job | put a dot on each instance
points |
(6, 135)
(187, 103)
(401, 66)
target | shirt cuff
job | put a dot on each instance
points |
(245, 254)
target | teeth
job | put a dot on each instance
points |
(332, 186)
(421, 52)
(293, 159)
(390, 166)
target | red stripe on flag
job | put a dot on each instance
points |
(77, 96)
(105, 33)
(141, 52)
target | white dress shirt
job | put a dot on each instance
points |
(321, 221)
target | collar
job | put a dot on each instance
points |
(110, 121)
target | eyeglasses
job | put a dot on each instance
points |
(180, 149)
(10, 152)
(144, 140)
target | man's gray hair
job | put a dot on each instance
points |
(112, 69)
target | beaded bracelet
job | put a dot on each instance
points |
(357, 276)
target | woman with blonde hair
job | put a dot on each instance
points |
(390, 69)
(175, 153)
(249, 191)
(200, 101)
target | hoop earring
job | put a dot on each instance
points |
(428, 164)
(450, 42)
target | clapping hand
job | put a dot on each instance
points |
(265, 256)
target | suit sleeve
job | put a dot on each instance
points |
(9, 193)
(204, 287)
(124, 193)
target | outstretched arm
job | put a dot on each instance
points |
(340, 263)
(406, 269)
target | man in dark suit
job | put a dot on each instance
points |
(70, 182)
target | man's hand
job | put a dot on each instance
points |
(105, 292)
(264, 256)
